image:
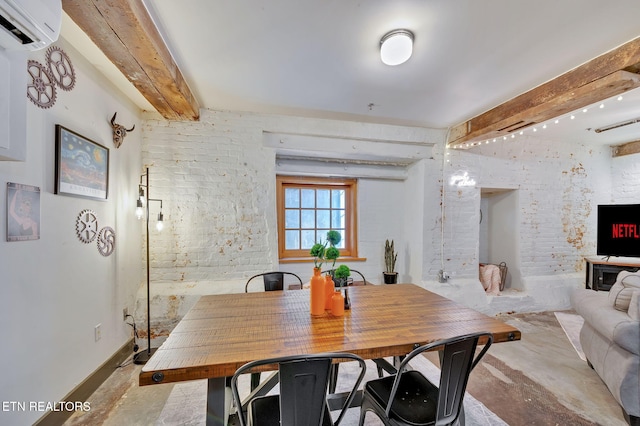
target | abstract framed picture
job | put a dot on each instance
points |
(23, 212)
(82, 166)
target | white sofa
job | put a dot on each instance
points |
(610, 338)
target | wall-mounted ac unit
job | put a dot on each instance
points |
(29, 24)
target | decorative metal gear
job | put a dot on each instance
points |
(106, 241)
(87, 226)
(42, 90)
(60, 68)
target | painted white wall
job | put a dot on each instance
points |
(54, 290)
(410, 262)
(503, 217)
(483, 243)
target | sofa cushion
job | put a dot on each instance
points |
(612, 324)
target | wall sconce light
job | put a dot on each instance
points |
(139, 209)
(141, 193)
(143, 357)
(396, 47)
(160, 222)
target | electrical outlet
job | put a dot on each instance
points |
(98, 332)
(125, 313)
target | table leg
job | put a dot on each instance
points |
(216, 402)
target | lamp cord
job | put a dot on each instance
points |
(135, 339)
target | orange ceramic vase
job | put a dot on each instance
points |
(328, 291)
(337, 304)
(317, 293)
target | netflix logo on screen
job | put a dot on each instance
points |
(624, 230)
(618, 230)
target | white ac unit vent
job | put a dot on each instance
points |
(29, 24)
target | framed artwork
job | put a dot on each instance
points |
(82, 166)
(23, 212)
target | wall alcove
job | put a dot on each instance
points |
(499, 239)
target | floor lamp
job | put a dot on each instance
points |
(142, 207)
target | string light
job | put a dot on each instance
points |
(570, 116)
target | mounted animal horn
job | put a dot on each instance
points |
(119, 131)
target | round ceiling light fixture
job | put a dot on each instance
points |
(396, 47)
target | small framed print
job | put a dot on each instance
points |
(82, 166)
(23, 212)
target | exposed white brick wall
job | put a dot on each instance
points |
(217, 180)
(558, 186)
(625, 180)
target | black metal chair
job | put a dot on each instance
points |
(414, 399)
(303, 391)
(272, 280)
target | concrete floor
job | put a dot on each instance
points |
(539, 380)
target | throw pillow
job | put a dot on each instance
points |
(614, 291)
(634, 306)
(631, 280)
(621, 292)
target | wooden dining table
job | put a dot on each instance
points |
(224, 331)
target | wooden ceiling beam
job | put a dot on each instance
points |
(625, 149)
(126, 34)
(608, 75)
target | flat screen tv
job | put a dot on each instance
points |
(619, 230)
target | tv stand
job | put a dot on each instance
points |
(601, 272)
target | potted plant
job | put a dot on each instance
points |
(341, 274)
(390, 257)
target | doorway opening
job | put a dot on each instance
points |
(499, 239)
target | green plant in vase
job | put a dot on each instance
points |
(322, 253)
(341, 274)
(317, 251)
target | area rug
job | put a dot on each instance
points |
(186, 404)
(571, 324)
